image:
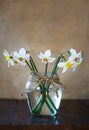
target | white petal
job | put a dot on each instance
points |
(22, 51)
(27, 56)
(61, 64)
(16, 54)
(5, 53)
(79, 54)
(41, 55)
(22, 63)
(73, 52)
(64, 70)
(51, 59)
(74, 67)
(10, 62)
(81, 59)
(71, 58)
(47, 53)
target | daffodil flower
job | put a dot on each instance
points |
(9, 57)
(73, 61)
(75, 58)
(22, 56)
(46, 57)
(65, 65)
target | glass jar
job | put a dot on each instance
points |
(43, 94)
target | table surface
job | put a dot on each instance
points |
(71, 112)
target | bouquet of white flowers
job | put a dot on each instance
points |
(44, 82)
(24, 57)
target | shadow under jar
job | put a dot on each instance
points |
(43, 94)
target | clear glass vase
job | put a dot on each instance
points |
(43, 94)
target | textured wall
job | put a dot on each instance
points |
(38, 25)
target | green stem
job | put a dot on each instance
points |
(69, 53)
(28, 65)
(40, 107)
(64, 58)
(44, 98)
(56, 70)
(51, 110)
(37, 106)
(51, 102)
(46, 67)
(55, 66)
(35, 68)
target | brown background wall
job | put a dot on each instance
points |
(38, 25)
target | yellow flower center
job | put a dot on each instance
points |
(68, 65)
(7, 57)
(15, 62)
(45, 60)
(21, 59)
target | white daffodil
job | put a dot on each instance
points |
(11, 60)
(22, 56)
(7, 55)
(75, 58)
(46, 56)
(65, 65)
